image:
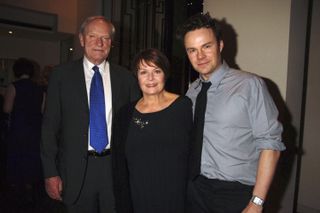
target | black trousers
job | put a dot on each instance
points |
(216, 196)
(97, 192)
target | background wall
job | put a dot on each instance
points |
(66, 11)
(262, 38)
(309, 190)
(44, 52)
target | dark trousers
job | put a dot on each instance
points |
(97, 192)
(216, 196)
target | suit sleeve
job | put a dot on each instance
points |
(135, 92)
(50, 127)
(120, 172)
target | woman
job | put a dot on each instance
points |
(24, 102)
(151, 143)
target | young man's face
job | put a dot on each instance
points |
(203, 50)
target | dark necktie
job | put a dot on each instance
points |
(98, 124)
(199, 117)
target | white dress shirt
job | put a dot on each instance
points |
(104, 69)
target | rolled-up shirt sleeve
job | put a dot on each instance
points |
(263, 116)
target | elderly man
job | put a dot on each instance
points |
(83, 96)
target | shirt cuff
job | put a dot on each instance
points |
(270, 145)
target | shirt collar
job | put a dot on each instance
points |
(88, 65)
(218, 74)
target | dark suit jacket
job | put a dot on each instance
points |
(121, 185)
(65, 125)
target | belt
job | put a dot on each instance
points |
(105, 152)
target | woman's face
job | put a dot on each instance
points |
(151, 78)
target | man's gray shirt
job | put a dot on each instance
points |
(240, 122)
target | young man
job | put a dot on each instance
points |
(76, 131)
(234, 158)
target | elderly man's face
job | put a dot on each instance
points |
(96, 41)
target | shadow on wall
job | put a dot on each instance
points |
(230, 48)
(286, 162)
(289, 136)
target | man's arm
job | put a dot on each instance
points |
(267, 132)
(266, 168)
(49, 138)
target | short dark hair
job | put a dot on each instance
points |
(152, 56)
(23, 66)
(199, 21)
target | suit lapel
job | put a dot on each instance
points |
(115, 86)
(81, 90)
(81, 84)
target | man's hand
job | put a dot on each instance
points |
(54, 187)
(252, 208)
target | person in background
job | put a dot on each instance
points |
(237, 137)
(23, 102)
(82, 97)
(151, 143)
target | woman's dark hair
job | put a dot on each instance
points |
(152, 57)
(199, 21)
(23, 66)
